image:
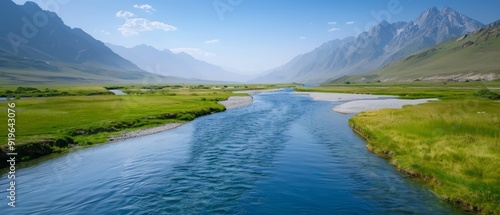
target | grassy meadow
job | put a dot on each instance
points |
(452, 90)
(453, 144)
(90, 114)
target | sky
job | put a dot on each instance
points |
(247, 36)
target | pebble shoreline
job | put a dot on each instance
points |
(236, 102)
(340, 97)
(147, 131)
(367, 105)
(356, 103)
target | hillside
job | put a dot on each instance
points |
(470, 57)
(36, 47)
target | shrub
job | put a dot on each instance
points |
(186, 117)
(486, 93)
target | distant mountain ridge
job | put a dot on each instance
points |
(372, 49)
(37, 43)
(470, 57)
(167, 63)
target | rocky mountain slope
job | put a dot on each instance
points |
(470, 57)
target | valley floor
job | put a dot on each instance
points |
(453, 144)
(53, 119)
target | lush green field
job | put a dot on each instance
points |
(90, 90)
(453, 144)
(49, 114)
(52, 117)
(451, 90)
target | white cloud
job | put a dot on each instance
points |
(302, 38)
(124, 14)
(195, 52)
(146, 7)
(333, 29)
(332, 23)
(212, 41)
(134, 26)
(349, 23)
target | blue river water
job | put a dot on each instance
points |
(284, 154)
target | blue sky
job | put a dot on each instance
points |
(247, 35)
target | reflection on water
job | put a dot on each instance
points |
(285, 154)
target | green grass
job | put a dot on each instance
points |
(454, 143)
(88, 115)
(49, 91)
(52, 117)
(88, 90)
(410, 91)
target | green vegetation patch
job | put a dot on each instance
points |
(85, 115)
(486, 93)
(54, 118)
(410, 91)
(453, 144)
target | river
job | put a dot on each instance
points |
(284, 154)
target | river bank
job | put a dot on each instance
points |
(283, 155)
(112, 131)
(231, 103)
(450, 144)
(356, 103)
(237, 102)
(340, 97)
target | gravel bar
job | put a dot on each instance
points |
(340, 97)
(367, 105)
(144, 132)
(236, 102)
(356, 103)
(253, 92)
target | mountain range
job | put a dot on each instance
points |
(373, 49)
(167, 63)
(469, 57)
(36, 47)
